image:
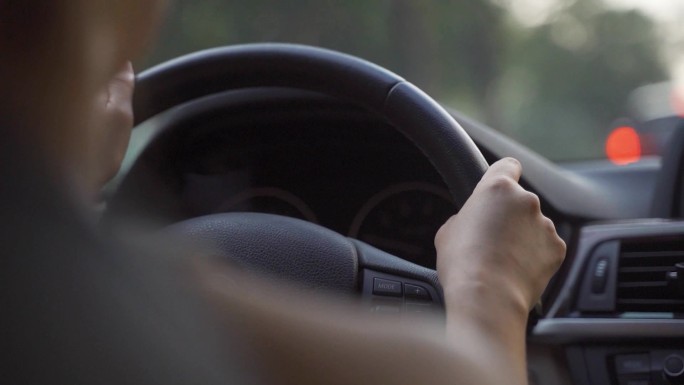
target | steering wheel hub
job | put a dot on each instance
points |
(278, 246)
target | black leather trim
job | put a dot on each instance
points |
(439, 136)
(668, 197)
(260, 65)
(411, 111)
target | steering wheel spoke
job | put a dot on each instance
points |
(394, 294)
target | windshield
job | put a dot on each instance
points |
(555, 75)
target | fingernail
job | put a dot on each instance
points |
(126, 72)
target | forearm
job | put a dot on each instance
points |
(495, 333)
(306, 340)
(494, 259)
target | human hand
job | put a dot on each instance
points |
(494, 259)
(499, 243)
(111, 123)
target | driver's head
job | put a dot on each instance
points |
(56, 54)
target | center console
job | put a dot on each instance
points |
(620, 312)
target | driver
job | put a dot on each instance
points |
(80, 307)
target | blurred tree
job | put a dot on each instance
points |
(555, 87)
(450, 48)
(568, 80)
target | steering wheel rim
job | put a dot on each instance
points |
(421, 119)
(335, 262)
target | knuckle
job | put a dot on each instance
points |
(125, 115)
(557, 245)
(441, 233)
(502, 184)
(438, 236)
(549, 225)
(560, 255)
(121, 113)
(531, 201)
(562, 247)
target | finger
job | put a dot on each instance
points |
(120, 88)
(506, 167)
(442, 230)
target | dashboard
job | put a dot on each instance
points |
(330, 164)
(617, 313)
(381, 191)
(614, 313)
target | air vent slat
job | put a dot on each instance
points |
(645, 269)
(642, 283)
(651, 254)
(651, 302)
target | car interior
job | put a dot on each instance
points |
(325, 170)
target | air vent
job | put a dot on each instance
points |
(645, 282)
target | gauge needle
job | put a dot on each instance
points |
(386, 243)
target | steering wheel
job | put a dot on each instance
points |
(290, 248)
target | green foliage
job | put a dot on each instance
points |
(556, 87)
(569, 80)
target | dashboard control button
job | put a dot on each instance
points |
(633, 364)
(385, 287)
(599, 276)
(673, 369)
(416, 292)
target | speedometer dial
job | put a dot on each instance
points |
(403, 220)
(269, 200)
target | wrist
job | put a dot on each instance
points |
(489, 299)
(492, 321)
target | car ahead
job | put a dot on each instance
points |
(240, 138)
